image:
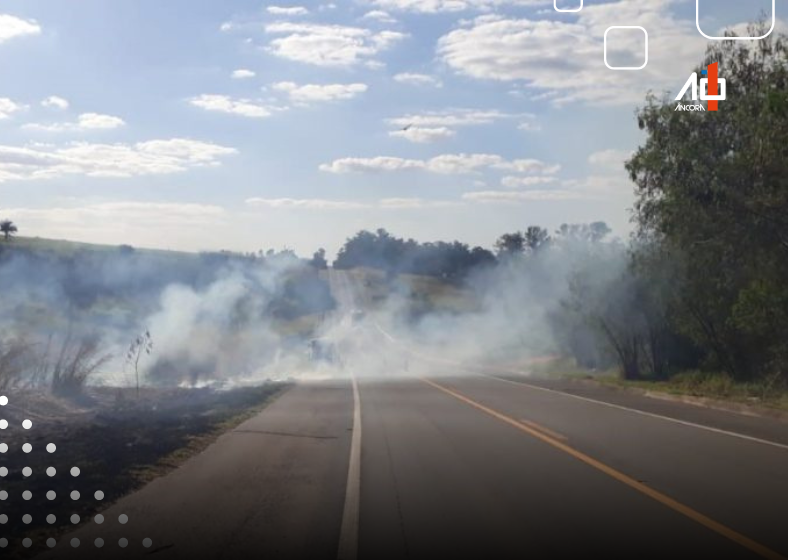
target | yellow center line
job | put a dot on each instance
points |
(687, 511)
(543, 429)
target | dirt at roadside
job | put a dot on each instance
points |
(116, 440)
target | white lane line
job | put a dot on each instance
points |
(595, 401)
(642, 412)
(348, 535)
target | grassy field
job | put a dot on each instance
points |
(65, 247)
(710, 386)
(697, 384)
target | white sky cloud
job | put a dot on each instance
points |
(97, 121)
(562, 59)
(329, 45)
(11, 27)
(451, 118)
(85, 122)
(55, 102)
(446, 164)
(243, 74)
(313, 93)
(416, 79)
(380, 15)
(225, 104)
(423, 135)
(287, 11)
(8, 107)
(155, 157)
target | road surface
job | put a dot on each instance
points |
(459, 465)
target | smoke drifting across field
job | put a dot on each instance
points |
(533, 304)
(211, 317)
(225, 320)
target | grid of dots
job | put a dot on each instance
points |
(51, 495)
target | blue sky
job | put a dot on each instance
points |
(244, 125)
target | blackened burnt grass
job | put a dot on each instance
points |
(118, 443)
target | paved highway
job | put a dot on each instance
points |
(455, 465)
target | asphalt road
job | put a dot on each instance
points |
(465, 466)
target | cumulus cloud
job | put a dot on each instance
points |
(155, 157)
(287, 11)
(379, 15)
(85, 122)
(243, 74)
(8, 108)
(12, 27)
(415, 79)
(446, 164)
(423, 135)
(372, 165)
(225, 104)
(97, 121)
(562, 60)
(329, 45)
(55, 102)
(313, 93)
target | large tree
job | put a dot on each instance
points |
(8, 229)
(713, 192)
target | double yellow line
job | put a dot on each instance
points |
(553, 441)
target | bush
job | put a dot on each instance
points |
(75, 363)
(705, 383)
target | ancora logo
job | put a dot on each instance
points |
(712, 89)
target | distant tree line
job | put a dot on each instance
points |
(381, 250)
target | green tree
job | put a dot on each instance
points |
(510, 244)
(319, 260)
(8, 229)
(713, 192)
(536, 239)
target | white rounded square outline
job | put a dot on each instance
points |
(774, 23)
(643, 29)
(555, 5)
